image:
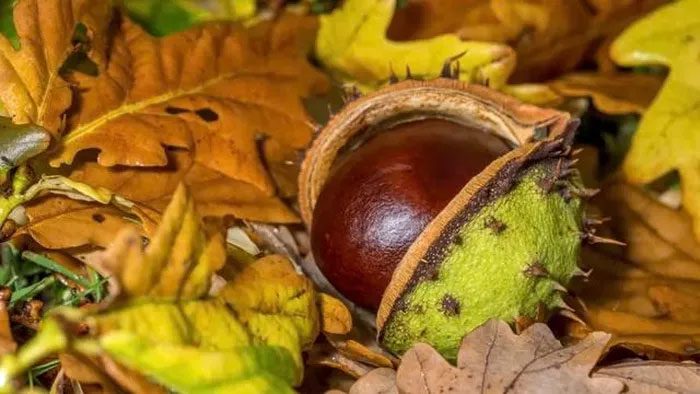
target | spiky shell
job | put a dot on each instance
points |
(504, 247)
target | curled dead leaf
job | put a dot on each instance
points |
(612, 93)
(336, 318)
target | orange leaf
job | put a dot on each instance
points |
(215, 89)
(32, 89)
(612, 93)
(59, 222)
(214, 193)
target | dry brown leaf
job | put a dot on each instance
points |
(655, 377)
(33, 90)
(58, 222)
(551, 37)
(639, 377)
(646, 293)
(215, 194)
(336, 318)
(216, 90)
(493, 359)
(359, 352)
(612, 93)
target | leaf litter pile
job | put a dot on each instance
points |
(163, 163)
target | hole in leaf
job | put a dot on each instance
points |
(175, 110)
(7, 24)
(207, 115)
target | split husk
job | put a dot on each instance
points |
(492, 271)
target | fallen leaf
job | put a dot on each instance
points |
(493, 359)
(654, 377)
(359, 352)
(379, 380)
(336, 318)
(645, 293)
(178, 262)
(612, 93)
(670, 124)
(215, 89)
(161, 321)
(215, 194)
(60, 222)
(33, 89)
(326, 355)
(549, 37)
(352, 44)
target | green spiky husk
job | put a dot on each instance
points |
(512, 257)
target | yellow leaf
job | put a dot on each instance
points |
(549, 37)
(32, 89)
(336, 318)
(178, 261)
(352, 43)
(275, 303)
(215, 89)
(164, 324)
(668, 137)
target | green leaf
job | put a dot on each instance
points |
(7, 25)
(668, 137)
(352, 44)
(162, 17)
(191, 369)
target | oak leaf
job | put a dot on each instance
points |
(549, 37)
(57, 222)
(669, 37)
(646, 293)
(161, 321)
(654, 377)
(216, 194)
(33, 89)
(352, 43)
(493, 359)
(215, 89)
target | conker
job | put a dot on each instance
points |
(379, 197)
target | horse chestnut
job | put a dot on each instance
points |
(379, 197)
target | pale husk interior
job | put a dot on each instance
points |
(444, 98)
